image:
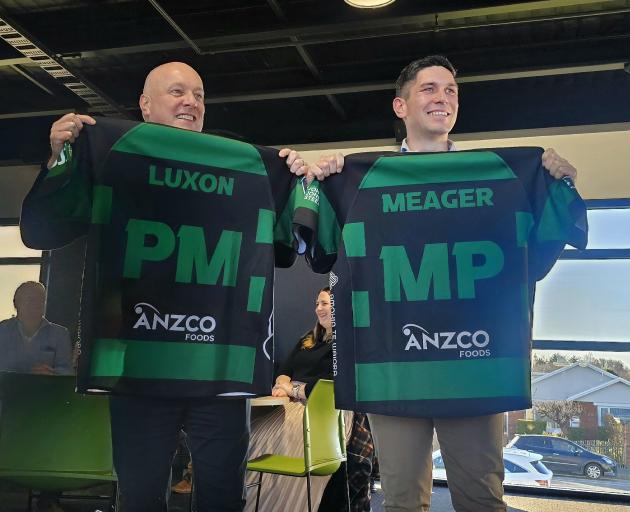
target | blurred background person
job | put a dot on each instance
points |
(29, 343)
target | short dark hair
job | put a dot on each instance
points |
(410, 71)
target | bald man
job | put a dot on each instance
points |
(145, 429)
(28, 342)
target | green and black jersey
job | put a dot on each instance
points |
(434, 258)
(183, 232)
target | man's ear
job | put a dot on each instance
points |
(400, 107)
(144, 103)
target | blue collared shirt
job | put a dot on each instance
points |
(50, 345)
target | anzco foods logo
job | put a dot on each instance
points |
(197, 328)
(470, 344)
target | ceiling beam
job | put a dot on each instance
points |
(303, 92)
(389, 86)
(308, 61)
(4, 63)
(175, 26)
(24, 43)
(529, 12)
(36, 113)
(32, 79)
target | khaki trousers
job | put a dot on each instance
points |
(471, 449)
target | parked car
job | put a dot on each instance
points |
(521, 468)
(564, 456)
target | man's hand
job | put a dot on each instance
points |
(42, 369)
(326, 165)
(557, 166)
(295, 164)
(65, 129)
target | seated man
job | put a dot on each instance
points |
(28, 342)
(31, 344)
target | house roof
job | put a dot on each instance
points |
(605, 385)
(567, 368)
(588, 390)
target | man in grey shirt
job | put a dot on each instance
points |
(28, 342)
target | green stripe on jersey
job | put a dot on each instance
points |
(524, 225)
(264, 229)
(101, 204)
(172, 360)
(361, 309)
(354, 239)
(429, 168)
(157, 141)
(438, 380)
(255, 295)
(328, 229)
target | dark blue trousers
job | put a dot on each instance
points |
(144, 439)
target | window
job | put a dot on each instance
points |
(540, 467)
(559, 445)
(581, 354)
(511, 467)
(620, 413)
(17, 264)
(581, 304)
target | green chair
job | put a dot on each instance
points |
(324, 443)
(53, 439)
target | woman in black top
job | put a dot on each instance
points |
(311, 359)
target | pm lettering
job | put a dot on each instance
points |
(149, 241)
(473, 261)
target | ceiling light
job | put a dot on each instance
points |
(369, 4)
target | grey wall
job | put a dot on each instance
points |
(15, 182)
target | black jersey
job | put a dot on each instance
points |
(183, 232)
(434, 258)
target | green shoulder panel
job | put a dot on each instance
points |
(394, 171)
(328, 228)
(556, 221)
(158, 141)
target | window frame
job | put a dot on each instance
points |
(42, 260)
(591, 254)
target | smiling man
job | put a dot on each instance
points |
(427, 100)
(145, 426)
(173, 95)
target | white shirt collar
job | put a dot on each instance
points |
(404, 148)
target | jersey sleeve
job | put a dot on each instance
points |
(287, 193)
(320, 231)
(58, 208)
(559, 218)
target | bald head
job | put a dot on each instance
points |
(173, 95)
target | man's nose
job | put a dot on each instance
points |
(190, 98)
(440, 97)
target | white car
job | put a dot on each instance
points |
(521, 468)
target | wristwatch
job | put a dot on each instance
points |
(296, 390)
